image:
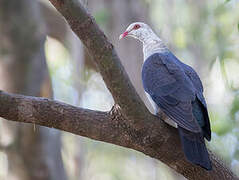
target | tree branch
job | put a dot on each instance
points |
(156, 139)
(106, 60)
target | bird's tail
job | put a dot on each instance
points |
(194, 148)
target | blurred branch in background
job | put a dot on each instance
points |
(23, 69)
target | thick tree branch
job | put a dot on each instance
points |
(105, 58)
(156, 139)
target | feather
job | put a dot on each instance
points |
(194, 148)
(177, 90)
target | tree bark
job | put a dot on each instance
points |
(106, 60)
(23, 69)
(156, 139)
(121, 13)
(130, 126)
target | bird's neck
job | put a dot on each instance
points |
(152, 44)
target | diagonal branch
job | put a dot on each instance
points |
(105, 58)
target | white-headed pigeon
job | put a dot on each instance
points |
(177, 90)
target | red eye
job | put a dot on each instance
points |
(136, 26)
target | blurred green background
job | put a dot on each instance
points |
(40, 56)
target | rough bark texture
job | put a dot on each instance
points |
(106, 59)
(156, 139)
(140, 130)
(23, 70)
(119, 15)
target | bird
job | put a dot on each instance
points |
(176, 89)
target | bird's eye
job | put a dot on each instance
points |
(136, 26)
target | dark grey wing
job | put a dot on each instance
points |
(191, 73)
(163, 77)
(170, 89)
(180, 112)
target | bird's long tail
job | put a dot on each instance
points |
(194, 148)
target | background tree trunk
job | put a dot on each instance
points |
(23, 69)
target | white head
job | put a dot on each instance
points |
(139, 31)
(151, 42)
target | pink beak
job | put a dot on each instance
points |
(123, 35)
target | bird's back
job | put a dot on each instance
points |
(199, 106)
(176, 88)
